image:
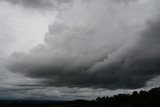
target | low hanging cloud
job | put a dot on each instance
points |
(97, 44)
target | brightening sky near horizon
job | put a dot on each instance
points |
(78, 49)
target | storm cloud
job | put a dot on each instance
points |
(97, 44)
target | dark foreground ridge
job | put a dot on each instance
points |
(141, 99)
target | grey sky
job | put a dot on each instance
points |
(93, 45)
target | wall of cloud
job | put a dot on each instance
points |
(97, 44)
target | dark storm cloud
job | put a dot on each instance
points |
(88, 50)
(39, 4)
(132, 70)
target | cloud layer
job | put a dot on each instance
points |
(98, 44)
(40, 5)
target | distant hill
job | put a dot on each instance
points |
(149, 98)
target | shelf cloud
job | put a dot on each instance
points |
(95, 44)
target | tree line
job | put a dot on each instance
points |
(142, 98)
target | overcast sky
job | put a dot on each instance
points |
(73, 49)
